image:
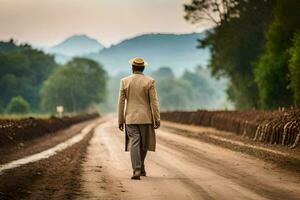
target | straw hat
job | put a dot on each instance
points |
(138, 62)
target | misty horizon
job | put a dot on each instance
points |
(107, 21)
(17, 41)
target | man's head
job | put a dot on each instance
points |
(138, 64)
(137, 68)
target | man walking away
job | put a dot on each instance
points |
(138, 96)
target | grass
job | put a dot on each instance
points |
(20, 116)
(35, 115)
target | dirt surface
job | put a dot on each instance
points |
(40, 143)
(57, 177)
(20, 137)
(280, 127)
(181, 168)
(282, 156)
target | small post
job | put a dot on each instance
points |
(60, 110)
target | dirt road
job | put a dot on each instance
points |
(181, 168)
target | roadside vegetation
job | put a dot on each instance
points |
(255, 54)
(256, 45)
(75, 86)
(280, 127)
(32, 82)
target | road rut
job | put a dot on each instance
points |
(181, 168)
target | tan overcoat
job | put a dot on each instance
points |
(138, 104)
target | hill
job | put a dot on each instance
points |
(74, 46)
(177, 51)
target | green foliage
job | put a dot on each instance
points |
(18, 105)
(163, 73)
(1, 107)
(215, 11)
(272, 71)
(111, 101)
(294, 68)
(207, 93)
(235, 42)
(193, 90)
(174, 94)
(76, 86)
(22, 71)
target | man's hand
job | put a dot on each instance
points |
(156, 124)
(121, 127)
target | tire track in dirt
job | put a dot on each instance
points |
(57, 177)
(260, 183)
(182, 168)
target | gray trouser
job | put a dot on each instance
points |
(138, 154)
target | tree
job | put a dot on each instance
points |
(1, 107)
(236, 41)
(174, 94)
(18, 105)
(163, 73)
(215, 11)
(294, 68)
(22, 71)
(76, 86)
(272, 69)
(206, 91)
(193, 90)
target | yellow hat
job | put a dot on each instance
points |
(138, 62)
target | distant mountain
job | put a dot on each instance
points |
(177, 51)
(75, 45)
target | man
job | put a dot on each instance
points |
(141, 116)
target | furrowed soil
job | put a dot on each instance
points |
(181, 168)
(38, 144)
(21, 137)
(57, 177)
(190, 162)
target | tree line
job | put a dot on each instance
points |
(194, 89)
(256, 45)
(31, 81)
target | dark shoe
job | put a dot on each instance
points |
(136, 175)
(143, 173)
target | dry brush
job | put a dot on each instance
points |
(281, 127)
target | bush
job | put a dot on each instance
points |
(18, 105)
(1, 107)
(294, 67)
(76, 86)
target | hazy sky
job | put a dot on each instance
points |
(47, 22)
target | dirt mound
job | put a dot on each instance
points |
(57, 177)
(275, 127)
(16, 131)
